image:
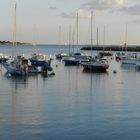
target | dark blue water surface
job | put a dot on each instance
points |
(72, 104)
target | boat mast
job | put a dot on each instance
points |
(77, 36)
(104, 39)
(125, 44)
(97, 41)
(69, 38)
(91, 32)
(97, 37)
(14, 30)
(59, 35)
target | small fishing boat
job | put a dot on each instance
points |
(39, 59)
(39, 63)
(61, 55)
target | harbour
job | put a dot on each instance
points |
(69, 70)
(72, 104)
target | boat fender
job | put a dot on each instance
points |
(8, 75)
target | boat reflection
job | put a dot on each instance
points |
(27, 81)
(94, 72)
(128, 67)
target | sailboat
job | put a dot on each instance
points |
(129, 58)
(75, 58)
(70, 60)
(98, 65)
(16, 65)
(61, 54)
(104, 53)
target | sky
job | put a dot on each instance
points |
(39, 21)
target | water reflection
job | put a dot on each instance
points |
(128, 67)
(28, 83)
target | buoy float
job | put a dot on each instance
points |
(114, 71)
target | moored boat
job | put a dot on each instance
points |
(71, 61)
(95, 66)
(3, 58)
(61, 55)
(131, 59)
(39, 59)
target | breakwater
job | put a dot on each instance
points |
(134, 48)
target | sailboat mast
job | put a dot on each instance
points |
(97, 37)
(91, 31)
(77, 40)
(15, 41)
(14, 30)
(125, 45)
(69, 38)
(59, 35)
(104, 39)
(59, 38)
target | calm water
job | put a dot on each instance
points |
(70, 105)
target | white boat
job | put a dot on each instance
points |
(61, 55)
(131, 59)
(119, 56)
(15, 66)
(3, 58)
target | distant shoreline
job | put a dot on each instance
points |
(11, 43)
(134, 48)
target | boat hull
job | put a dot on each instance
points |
(130, 62)
(95, 67)
(71, 62)
(37, 62)
(13, 70)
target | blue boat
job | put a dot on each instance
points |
(71, 61)
(38, 59)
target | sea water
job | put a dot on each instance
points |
(72, 104)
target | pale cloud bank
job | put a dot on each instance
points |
(110, 6)
(84, 9)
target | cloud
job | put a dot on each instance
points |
(84, 10)
(52, 8)
(96, 5)
(82, 13)
(102, 4)
(131, 10)
(111, 6)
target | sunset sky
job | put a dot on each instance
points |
(39, 20)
